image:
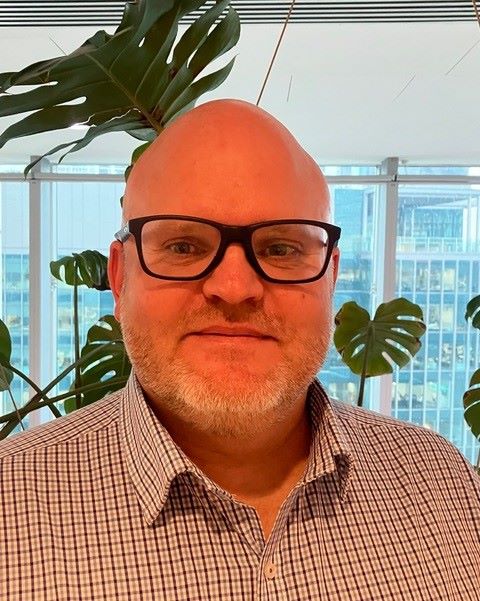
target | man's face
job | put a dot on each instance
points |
(229, 352)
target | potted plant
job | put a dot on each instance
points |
(128, 84)
(370, 347)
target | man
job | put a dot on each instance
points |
(222, 470)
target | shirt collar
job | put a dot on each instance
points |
(154, 460)
(329, 451)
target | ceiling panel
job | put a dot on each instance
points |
(61, 13)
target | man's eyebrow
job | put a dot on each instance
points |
(284, 227)
(179, 226)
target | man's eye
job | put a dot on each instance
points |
(181, 248)
(280, 250)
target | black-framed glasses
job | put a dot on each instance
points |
(178, 247)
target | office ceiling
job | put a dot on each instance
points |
(349, 91)
(67, 13)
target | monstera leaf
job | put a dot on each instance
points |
(471, 403)
(122, 81)
(108, 370)
(473, 312)
(370, 346)
(87, 268)
(6, 375)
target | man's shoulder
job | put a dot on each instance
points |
(384, 436)
(367, 418)
(98, 415)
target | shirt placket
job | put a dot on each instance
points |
(270, 583)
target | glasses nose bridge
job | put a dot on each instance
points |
(236, 234)
(231, 234)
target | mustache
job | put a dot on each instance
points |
(253, 318)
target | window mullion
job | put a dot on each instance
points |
(386, 237)
(41, 349)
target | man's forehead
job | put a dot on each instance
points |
(224, 154)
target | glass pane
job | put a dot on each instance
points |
(438, 170)
(86, 214)
(438, 267)
(350, 169)
(90, 169)
(15, 286)
(11, 169)
(354, 209)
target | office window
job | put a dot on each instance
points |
(87, 214)
(14, 299)
(353, 209)
(438, 267)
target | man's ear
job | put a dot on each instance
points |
(116, 271)
(335, 262)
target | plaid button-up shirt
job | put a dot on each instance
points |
(102, 505)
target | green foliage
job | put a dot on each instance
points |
(122, 81)
(471, 403)
(104, 367)
(88, 268)
(473, 311)
(107, 369)
(471, 398)
(6, 375)
(368, 346)
(113, 82)
(362, 342)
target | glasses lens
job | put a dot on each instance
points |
(291, 251)
(178, 248)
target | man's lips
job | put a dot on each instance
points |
(231, 332)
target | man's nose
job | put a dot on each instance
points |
(234, 280)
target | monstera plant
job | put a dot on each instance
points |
(370, 347)
(100, 367)
(135, 80)
(124, 81)
(471, 398)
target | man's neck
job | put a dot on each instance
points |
(255, 467)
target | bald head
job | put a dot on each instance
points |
(231, 163)
(221, 152)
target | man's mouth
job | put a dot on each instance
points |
(232, 332)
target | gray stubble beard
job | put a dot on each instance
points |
(212, 406)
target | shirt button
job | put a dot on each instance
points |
(270, 570)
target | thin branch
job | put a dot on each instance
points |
(38, 391)
(23, 411)
(275, 52)
(34, 403)
(477, 12)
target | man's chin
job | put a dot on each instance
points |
(235, 374)
(234, 401)
(254, 357)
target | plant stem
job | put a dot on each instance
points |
(361, 390)
(477, 467)
(87, 388)
(14, 417)
(78, 381)
(34, 403)
(4, 375)
(38, 392)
